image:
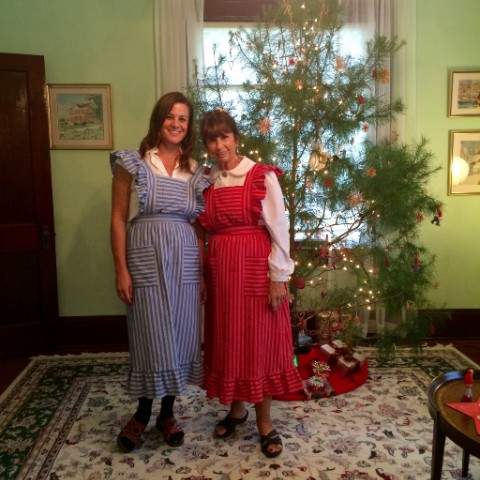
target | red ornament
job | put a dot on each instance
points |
(365, 127)
(291, 61)
(371, 172)
(264, 125)
(417, 263)
(328, 182)
(298, 282)
(361, 100)
(324, 251)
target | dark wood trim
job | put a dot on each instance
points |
(235, 10)
(112, 329)
(92, 331)
(87, 333)
(456, 323)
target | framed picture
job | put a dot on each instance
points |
(80, 116)
(464, 93)
(464, 162)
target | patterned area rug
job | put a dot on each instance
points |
(60, 418)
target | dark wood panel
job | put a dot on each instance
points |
(24, 237)
(17, 192)
(20, 294)
(28, 285)
(235, 10)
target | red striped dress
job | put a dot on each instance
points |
(248, 347)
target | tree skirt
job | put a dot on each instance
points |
(339, 380)
(60, 418)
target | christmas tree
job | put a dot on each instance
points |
(354, 212)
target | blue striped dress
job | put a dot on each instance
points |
(163, 261)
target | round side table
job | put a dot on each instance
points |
(450, 423)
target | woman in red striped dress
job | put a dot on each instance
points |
(248, 341)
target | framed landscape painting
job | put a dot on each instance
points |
(464, 162)
(80, 116)
(464, 93)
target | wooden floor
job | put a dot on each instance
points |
(10, 368)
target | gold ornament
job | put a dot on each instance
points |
(318, 158)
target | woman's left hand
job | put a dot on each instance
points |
(277, 294)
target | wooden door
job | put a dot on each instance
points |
(28, 286)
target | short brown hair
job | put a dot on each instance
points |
(159, 113)
(217, 122)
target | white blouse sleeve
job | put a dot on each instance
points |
(273, 214)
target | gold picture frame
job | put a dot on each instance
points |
(464, 162)
(464, 93)
(80, 116)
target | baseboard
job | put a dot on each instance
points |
(455, 323)
(109, 330)
(93, 331)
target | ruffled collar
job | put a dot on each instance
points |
(239, 171)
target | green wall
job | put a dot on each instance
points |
(111, 41)
(447, 37)
(91, 41)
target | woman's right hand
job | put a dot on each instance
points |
(125, 287)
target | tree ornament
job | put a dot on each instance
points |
(318, 158)
(308, 184)
(372, 172)
(298, 282)
(299, 84)
(365, 127)
(264, 125)
(437, 217)
(291, 61)
(417, 263)
(328, 182)
(361, 100)
(339, 63)
(324, 253)
(354, 199)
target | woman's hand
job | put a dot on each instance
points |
(125, 287)
(277, 294)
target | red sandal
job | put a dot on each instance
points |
(131, 435)
(171, 431)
